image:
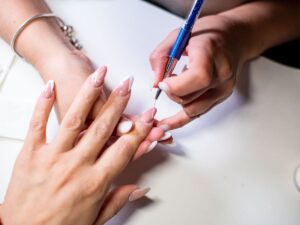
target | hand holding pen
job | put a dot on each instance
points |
(215, 51)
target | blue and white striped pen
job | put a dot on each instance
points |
(181, 41)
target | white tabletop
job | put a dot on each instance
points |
(234, 166)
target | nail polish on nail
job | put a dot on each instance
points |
(148, 116)
(49, 89)
(166, 136)
(125, 127)
(98, 76)
(151, 147)
(125, 86)
(165, 127)
(138, 193)
(164, 87)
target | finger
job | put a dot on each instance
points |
(208, 100)
(37, 130)
(174, 122)
(198, 77)
(117, 199)
(74, 120)
(159, 57)
(103, 126)
(117, 156)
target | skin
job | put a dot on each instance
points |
(219, 47)
(70, 178)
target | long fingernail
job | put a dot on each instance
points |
(125, 127)
(165, 127)
(49, 89)
(164, 87)
(148, 116)
(138, 193)
(151, 147)
(124, 87)
(166, 136)
(98, 76)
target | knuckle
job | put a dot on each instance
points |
(127, 149)
(73, 122)
(92, 187)
(102, 129)
(204, 79)
(37, 125)
(191, 112)
(226, 71)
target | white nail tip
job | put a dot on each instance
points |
(151, 147)
(131, 80)
(50, 84)
(297, 178)
(164, 87)
(166, 136)
(125, 127)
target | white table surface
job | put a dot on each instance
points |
(234, 166)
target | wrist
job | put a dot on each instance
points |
(240, 36)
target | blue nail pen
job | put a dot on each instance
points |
(181, 41)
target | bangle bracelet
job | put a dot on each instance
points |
(67, 29)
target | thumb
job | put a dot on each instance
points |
(159, 57)
(117, 199)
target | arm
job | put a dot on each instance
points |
(66, 183)
(267, 23)
(219, 46)
(44, 46)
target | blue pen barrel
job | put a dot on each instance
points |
(180, 43)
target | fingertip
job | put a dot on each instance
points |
(48, 91)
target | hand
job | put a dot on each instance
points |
(67, 181)
(215, 52)
(69, 69)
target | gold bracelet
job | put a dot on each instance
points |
(67, 29)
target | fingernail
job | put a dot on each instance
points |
(125, 127)
(166, 136)
(151, 147)
(125, 86)
(164, 87)
(165, 127)
(148, 116)
(49, 89)
(98, 76)
(138, 193)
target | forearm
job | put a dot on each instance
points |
(267, 23)
(46, 47)
(40, 41)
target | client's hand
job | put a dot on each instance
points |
(67, 181)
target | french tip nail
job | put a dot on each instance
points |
(164, 87)
(138, 194)
(166, 136)
(49, 89)
(151, 147)
(125, 86)
(98, 76)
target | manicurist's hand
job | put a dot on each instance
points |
(215, 53)
(68, 180)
